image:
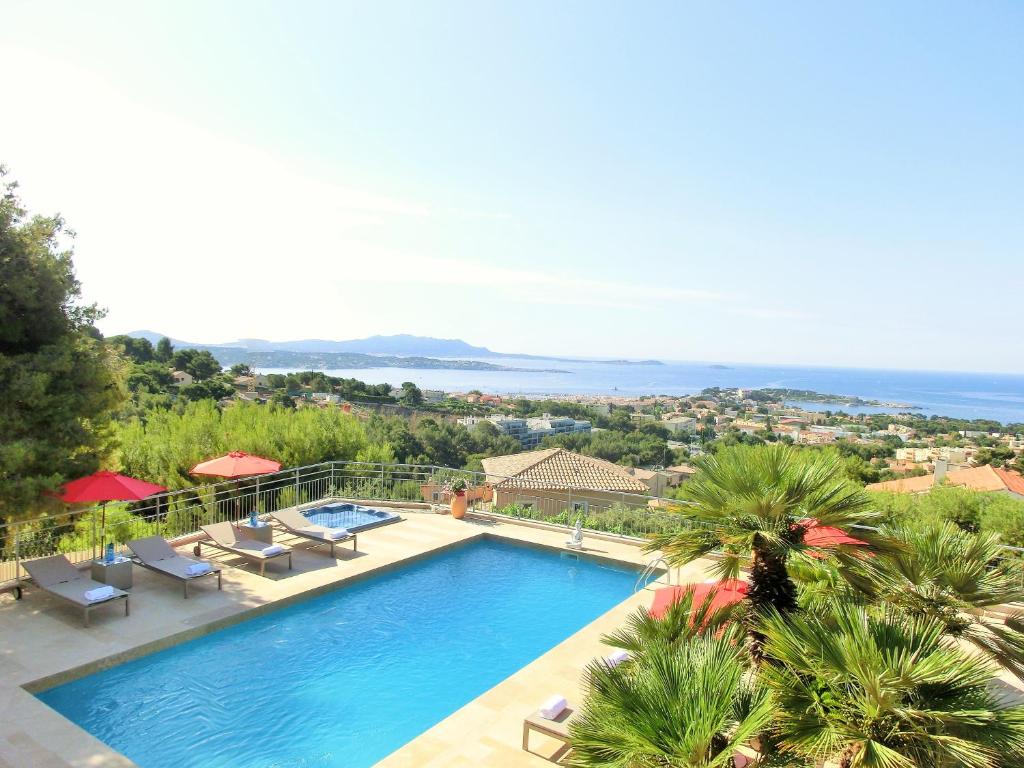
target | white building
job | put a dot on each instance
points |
(530, 432)
(679, 424)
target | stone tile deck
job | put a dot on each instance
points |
(43, 640)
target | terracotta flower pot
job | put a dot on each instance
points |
(459, 505)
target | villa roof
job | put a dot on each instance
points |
(643, 474)
(919, 484)
(683, 469)
(553, 468)
(983, 478)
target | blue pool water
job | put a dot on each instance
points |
(353, 517)
(346, 678)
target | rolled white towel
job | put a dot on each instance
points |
(616, 657)
(337, 533)
(99, 593)
(553, 707)
(273, 549)
(198, 569)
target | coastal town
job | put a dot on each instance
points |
(899, 451)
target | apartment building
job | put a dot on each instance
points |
(530, 432)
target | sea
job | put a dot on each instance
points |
(995, 396)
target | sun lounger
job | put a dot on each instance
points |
(225, 536)
(60, 578)
(157, 555)
(557, 729)
(298, 524)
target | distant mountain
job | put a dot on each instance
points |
(316, 354)
(402, 344)
(399, 345)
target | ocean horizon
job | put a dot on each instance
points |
(994, 396)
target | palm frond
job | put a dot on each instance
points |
(882, 688)
(687, 706)
(950, 575)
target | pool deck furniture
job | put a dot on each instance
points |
(154, 553)
(298, 524)
(226, 537)
(261, 532)
(57, 576)
(557, 729)
(117, 573)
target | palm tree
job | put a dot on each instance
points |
(750, 502)
(953, 576)
(684, 706)
(873, 689)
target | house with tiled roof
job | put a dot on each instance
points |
(554, 479)
(983, 478)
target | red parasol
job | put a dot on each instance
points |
(727, 592)
(818, 535)
(108, 486)
(236, 464)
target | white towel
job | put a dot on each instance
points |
(616, 657)
(100, 593)
(337, 533)
(553, 707)
(273, 549)
(198, 569)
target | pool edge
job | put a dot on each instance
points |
(42, 684)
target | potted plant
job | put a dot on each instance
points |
(458, 499)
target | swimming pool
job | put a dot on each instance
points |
(346, 678)
(353, 517)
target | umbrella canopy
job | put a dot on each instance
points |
(727, 592)
(817, 535)
(108, 486)
(236, 464)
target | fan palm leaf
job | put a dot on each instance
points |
(685, 706)
(955, 577)
(884, 690)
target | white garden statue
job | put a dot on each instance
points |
(576, 540)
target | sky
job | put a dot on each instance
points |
(797, 183)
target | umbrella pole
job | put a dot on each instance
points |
(103, 529)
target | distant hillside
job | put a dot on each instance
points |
(314, 354)
(401, 345)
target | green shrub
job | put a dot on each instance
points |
(618, 518)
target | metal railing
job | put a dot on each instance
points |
(81, 534)
(650, 569)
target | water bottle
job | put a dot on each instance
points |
(108, 557)
(252, 519)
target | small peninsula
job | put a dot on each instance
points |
(809, 396)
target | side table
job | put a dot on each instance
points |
(260, 532)
(117, 574)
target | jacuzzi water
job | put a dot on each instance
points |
(346, 678)
(353, 517)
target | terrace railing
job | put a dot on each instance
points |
(81, 535)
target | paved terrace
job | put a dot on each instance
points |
(44, 643)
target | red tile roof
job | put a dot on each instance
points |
(555, 468)
(983, 478)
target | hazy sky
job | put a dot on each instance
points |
(819, 183)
